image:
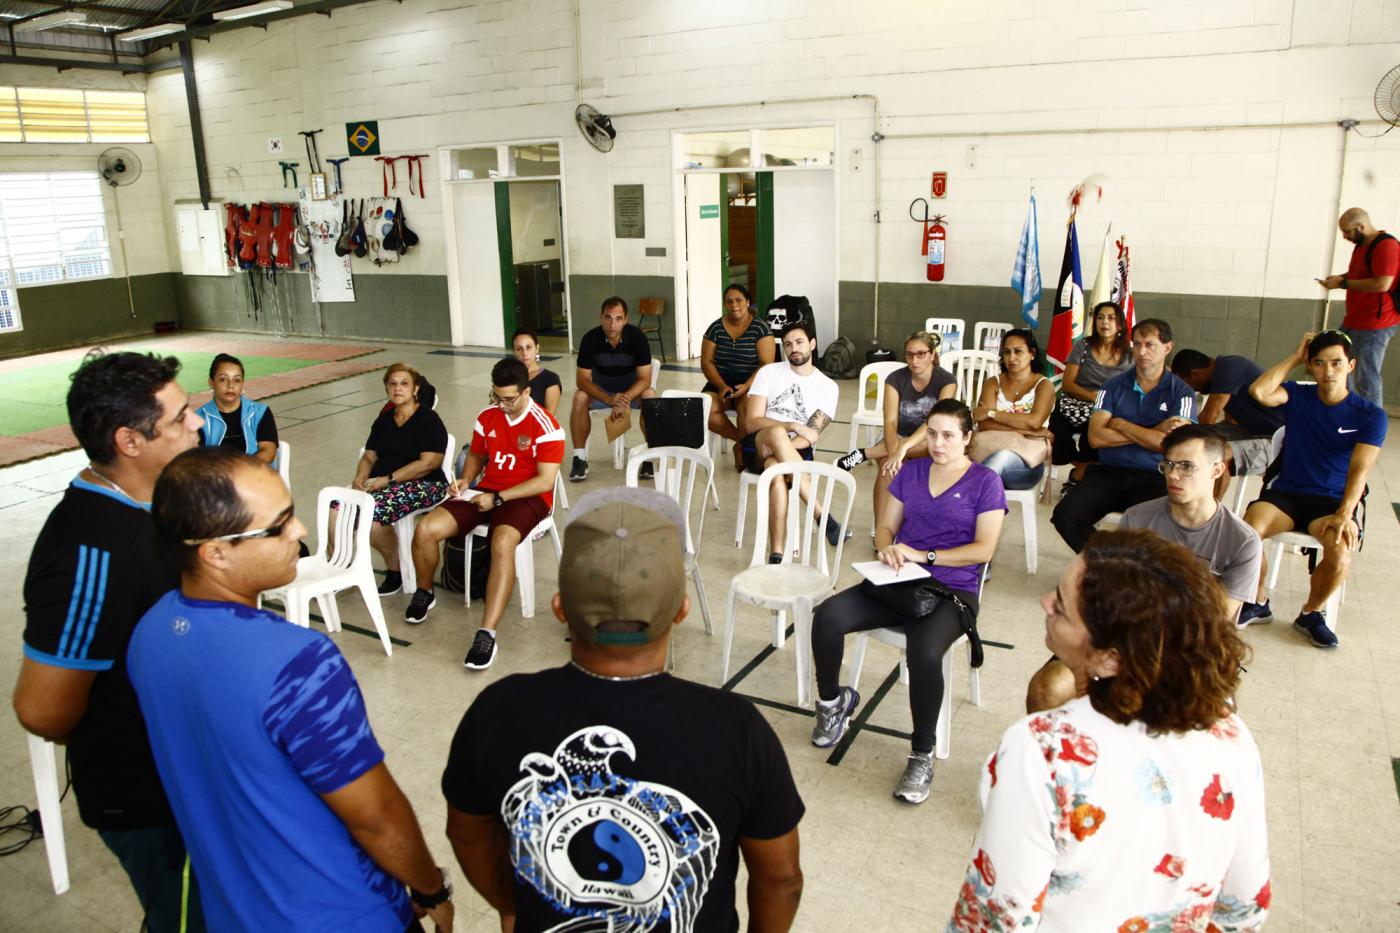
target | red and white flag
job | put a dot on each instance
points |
(1122, 288)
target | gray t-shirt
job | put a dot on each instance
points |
(1226, 543)
(1092, 373)
(914, 405)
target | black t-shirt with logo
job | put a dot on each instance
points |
(622, 799)
(94, 571)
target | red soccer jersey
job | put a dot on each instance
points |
(1372, 310)
(513, 448)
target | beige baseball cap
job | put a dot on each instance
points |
(623, 561)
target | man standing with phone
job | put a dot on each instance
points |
(1371, 318)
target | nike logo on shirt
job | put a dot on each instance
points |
(1347, 430)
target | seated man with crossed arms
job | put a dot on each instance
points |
(520, 446)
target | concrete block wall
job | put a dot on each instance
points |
(1211, 122)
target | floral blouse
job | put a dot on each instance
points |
(1089, 825)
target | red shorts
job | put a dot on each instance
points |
(521, 514)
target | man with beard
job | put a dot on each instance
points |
(790, 403)
(1371, 318)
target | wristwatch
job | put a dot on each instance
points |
(497, 501)
(437, 898)
(1344, 283)
(932, 557)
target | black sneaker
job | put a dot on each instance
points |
(482, 653)
(393, 582)
(1068, 485)
(852, 460)
(776, 557)
(833, 531)
(418, 607)
(1314, 625)
(647, 470)
(1252, 613)
(579, 471)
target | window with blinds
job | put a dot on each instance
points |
(52, 229)
(60, 115)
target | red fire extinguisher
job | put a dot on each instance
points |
(935, 246)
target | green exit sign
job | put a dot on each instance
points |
(709, 211)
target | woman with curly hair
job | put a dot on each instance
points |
(1138, 806)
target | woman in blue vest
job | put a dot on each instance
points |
(233, 420)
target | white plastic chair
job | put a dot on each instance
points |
(1303, 542)
(619, 444)
(970, 368)
(871, 417)
(986, 335)
(793, 586)
(942, 742)
(403, 528)
(45, 767)
(322, 575)
(676, 470)
(711, 440)
(524, 556)
(1027, 500)
(282, 463)
(951, 329)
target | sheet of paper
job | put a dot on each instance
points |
(883, 575)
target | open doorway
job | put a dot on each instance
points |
(537, 258)
(768, 223)
(504, 227)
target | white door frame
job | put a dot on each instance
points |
(449, 225)
(683, 323)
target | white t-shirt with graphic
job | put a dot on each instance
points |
(792, 397)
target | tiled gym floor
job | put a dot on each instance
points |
(1328, 723)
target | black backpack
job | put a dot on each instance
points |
(839, 361)
(1394, 292)
(785, 311)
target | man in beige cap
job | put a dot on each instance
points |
(608, 789)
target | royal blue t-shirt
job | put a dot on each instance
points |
(1318, 440)
(251, 719)
(1121, 397)
(948, 521)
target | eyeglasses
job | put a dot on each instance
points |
(271, 531)
(916, 354)
(505, 402)
(1186, 467)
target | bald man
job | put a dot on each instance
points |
(1371, 318)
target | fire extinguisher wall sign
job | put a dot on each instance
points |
(936, 245)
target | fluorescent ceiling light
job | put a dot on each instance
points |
(63, 18)
(150, 32)
(256, 9)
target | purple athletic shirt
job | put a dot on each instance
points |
(950, 520)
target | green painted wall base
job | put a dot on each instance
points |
(73, 314)
(386, 307)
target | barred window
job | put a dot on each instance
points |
(52, 229)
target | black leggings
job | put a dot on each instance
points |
(928, 638)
